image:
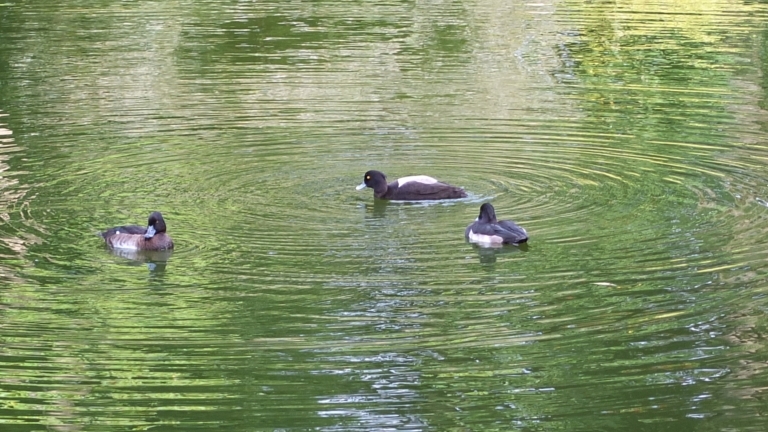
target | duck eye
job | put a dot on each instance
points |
(367, 177)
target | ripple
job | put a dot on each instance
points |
(626, 138)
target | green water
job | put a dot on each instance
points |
(629, 139)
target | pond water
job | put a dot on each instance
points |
(628, 138)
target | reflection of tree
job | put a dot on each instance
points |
(748, 337)
(762, 52)
(638, 68)
(666, 78)
(11, 197)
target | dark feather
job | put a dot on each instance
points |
(127, 229)
(487, 225)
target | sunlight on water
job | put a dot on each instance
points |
(627, 138)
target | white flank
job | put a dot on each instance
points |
(482, 238)
(123, 243)
(418, 179)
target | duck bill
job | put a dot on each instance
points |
(150, 232)
(361, 186)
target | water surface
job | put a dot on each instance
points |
(627, 138)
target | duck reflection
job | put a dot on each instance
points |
(488, 254)
(156, 261)
(377, 209)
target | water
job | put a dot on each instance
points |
(628, 139)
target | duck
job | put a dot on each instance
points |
(133, 237)
(412, 188)
(486, 230)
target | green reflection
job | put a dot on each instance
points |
(627, 138)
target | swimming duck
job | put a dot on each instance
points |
(412, 188)
(134, 237)
(486, 230)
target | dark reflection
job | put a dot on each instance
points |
(377, 209)
(259, 39)
(272, 33)
(762, 53)
(156, 261)
(488, 255)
